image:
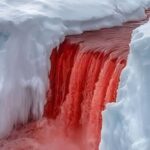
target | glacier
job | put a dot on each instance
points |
(29, 30)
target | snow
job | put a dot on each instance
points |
(29, 29)
(126, 124)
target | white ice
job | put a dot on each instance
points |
(126, 124)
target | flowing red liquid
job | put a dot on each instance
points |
(84, 77)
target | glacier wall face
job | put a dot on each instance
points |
(126, 124)
(28, 32)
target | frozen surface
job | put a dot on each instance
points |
(126, 124)
(29, 29)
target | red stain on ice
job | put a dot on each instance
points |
(84, 77)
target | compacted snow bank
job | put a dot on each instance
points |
(126, 124)
(29, 29)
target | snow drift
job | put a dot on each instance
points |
(126, 123)
(28, 32)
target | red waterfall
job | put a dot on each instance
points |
(84, 77)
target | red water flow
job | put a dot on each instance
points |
(84, 77)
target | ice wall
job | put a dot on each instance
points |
(126, 124)
(29, 29)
